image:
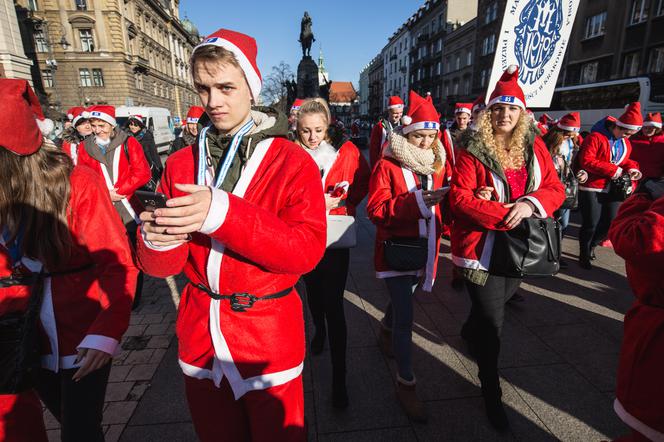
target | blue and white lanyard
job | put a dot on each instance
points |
(14, 248)
(230, 155)
(570, 151)
(617, 150)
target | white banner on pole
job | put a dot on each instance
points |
(534, 36)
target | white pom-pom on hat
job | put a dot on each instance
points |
(70, 117)
(46, 126)
(512, 69)
(406, 120)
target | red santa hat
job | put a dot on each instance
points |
(395, 103)
(103, 113)
(570, 122)
(478, 104)
(138, 118)
(631, 119)
(421, 114)
(22, 123)
(194, 114)
(507, 89)
(77, 114)
(545, 119)
(463, 107)
(653, 119)
(296, 104)
(245, 50)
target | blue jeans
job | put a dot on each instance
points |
(399, 317)
(563, 218)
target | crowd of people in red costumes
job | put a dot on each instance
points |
(257, 201)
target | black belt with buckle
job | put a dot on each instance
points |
(240, 302)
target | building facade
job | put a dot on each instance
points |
(13, 61)
(489, 20)
(396, 60)
(113, 52)
(343, 101)
(376, 78)
(457, 75)
(614, 39)
(364, 92)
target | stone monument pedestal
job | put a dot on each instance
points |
(307, 78)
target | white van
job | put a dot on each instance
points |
(157, 119)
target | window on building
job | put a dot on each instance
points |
(40, 41)
(85, 77)
(466, 86)
(631, 65)
(87, 43)
(469, 58)
(439, 45)
(595, 25)
(489, 45)
(455, 87)
(639, 11)
(659, 8)
(458, 62)
(154, 88)
(491, 13)
(98, 77)
(32, 5)
(47, 75)
(438, 68)
(484, 77)
(138, 81)
(82, 5)
(589, 72)
(656, 60)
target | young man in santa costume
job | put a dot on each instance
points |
(80, 128)
(382, 130)
(245, 219)
(604, 156)
(190, 131)
(462, 115)
(648, 147)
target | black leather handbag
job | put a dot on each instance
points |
(406, 254)
(532, 249)
(19, 352)
(571, 192)
(620, 188)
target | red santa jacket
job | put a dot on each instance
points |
(475, 219)
(648, 152)
(637, 234)
(86, 308)
(72, 149)
(379, 136)
(350, 167)
(259, 239)
(129, 174)
(595, 158)
(397, 208)
(445, 137)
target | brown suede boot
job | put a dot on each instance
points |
(385, 341)
(412, 405)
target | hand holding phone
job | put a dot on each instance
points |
(151, 201)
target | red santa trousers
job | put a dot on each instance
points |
(21, 418)
(275, 414)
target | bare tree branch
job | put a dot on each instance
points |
(275, 92)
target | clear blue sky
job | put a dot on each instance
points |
(350, 32)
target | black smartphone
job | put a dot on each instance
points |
(151, 201)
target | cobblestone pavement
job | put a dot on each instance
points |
(558, 362)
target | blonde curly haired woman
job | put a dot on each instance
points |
(503, 175)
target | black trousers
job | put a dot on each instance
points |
(325, 295)
(485, 323)
(597, 213)
(78, 406)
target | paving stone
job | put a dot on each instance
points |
(114, 433)
(160, 341)
(139, 357)
(138, 390)
(135, 319)
(119, 412)
(50, 422)
(135, 330)
(180, 432)
(118, 391)
(400, 434)
(53, 435)
(153, 318)
(157, 356)
(119, 373)
(157, 329)
(142, 372)
(570, 407)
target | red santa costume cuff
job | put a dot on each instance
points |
(101, 343)
(217, 213)
(539, 209)
(639, 176)
(424, 210)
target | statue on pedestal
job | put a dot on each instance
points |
(306, 35)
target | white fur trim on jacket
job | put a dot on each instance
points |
(217, 213)
(636, 424)
(99, 342)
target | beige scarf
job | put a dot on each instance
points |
(420, 161)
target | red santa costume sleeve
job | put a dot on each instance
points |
(470, 175)
(389, 210)
(549, 195)
(139, 170)
(589, 159)
(360, 187)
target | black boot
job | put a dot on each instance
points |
(495, 410)
(487, 362)
(584, 262)
(318, 342)
(592, 254)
